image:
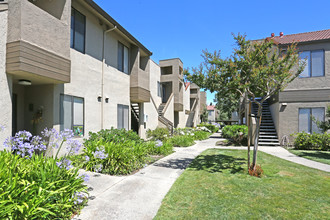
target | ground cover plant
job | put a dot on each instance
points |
(33, 186)
(118, 152)
(316, 155)
(237, 134)
(216, 186)
(211, 127)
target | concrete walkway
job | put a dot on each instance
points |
(139, 196)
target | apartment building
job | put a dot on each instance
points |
(69, 65)
(212, 113)
(305, 97)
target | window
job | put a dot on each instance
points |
(72, 114)
(122, 58)
(159, 89)
(78, 29)
(210, 113)
(314, 63)
(122, 117)
(306, 122)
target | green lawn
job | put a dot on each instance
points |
(216, 186)
(316, 155)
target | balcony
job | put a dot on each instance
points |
(140, 76)
(38, 46)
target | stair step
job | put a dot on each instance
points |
(268, 143)
(268, 140)
(268, 136)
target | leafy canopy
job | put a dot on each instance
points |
(256, 68)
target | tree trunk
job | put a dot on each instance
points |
(255, 148)
(249, 133)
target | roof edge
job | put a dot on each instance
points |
(96, 7)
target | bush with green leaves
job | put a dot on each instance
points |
(211, 127)
(237, 133)
(37, 188)
(114, 135)
(305, 141)
(158, 134)
(160, 147)
(201, 135)
(182, 140)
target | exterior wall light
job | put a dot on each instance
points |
(24, 82)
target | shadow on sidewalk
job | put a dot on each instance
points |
(181, 163)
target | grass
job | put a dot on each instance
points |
(316, 155)
(216, 186)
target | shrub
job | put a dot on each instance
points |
(158, 134)
(304, 141)
(201, 135)
(237, 133)
(114, 135)
(211, 127)
(159, 148)
(36, 188)
(182, 140)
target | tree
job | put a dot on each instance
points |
(255, 69)
(226, 105)
(204, 115)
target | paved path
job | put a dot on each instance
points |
(139, 196)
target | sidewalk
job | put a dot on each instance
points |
(139, 196)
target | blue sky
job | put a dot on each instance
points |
(183, 28)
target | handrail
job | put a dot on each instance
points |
(168, 103)
(153, 102)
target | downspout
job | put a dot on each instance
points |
(102, 86)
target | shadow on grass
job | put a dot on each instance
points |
(218, 163)
(320, 155)
(181, 163)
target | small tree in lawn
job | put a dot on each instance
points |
(255, 69)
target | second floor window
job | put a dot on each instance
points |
(122, 58)
(159, 89)
(78, 29)
(314, 63)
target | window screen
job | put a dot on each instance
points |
(122, 117)
(317, 63)
(123, 56)
(306, 122)
(305, 57)
(72, 114)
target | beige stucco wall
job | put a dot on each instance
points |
(288, 118)
(5, 82)
(183, 117)
(169, 114)
(30, 23)
(149, 107)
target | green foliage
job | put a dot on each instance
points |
(160, 148)
(304, 141)
(226, 105)
(114, 135)
(237, 133)
(37, 188)
(116, 158)
(201, 135)
(182, 140)
(204, 115)
(211, 127)
(158, 134)
(324, 126)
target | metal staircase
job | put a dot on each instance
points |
(135, 111)
(267, 133)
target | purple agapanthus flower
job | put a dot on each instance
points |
(73, 146)
(79, 197)
(100, 154)
(85, 177)
(65, 164)
(98, 168)
(87, 158)
(159, 143)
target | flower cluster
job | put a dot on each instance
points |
(159, 143)
(79, 197)
(204, 129)
(85, 177)
(98, 168)
(65, 163)
(100, 154)
(57, 138)
(24, 144)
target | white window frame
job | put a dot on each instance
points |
(310, 61)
